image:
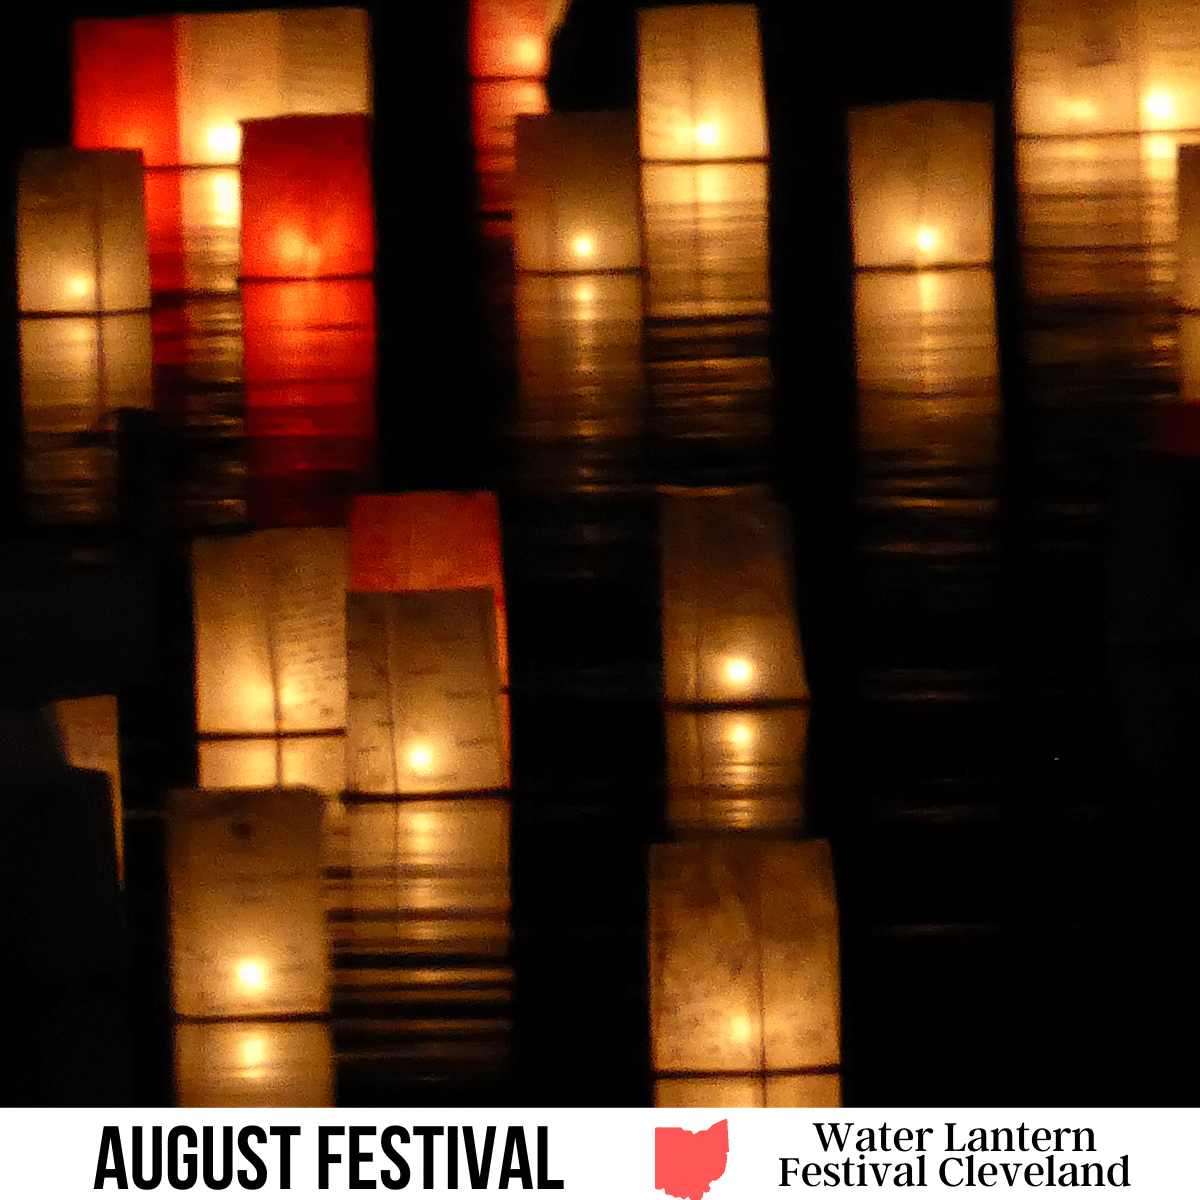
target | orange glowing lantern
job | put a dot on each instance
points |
(430, 541)
(253, 1064)
(247, 912)
(921, 197)
(576, 200)
(744, 977)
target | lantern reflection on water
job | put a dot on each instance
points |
(1188, 265)
(247, 913)
(253, 1064)
(743, 966)
(920, 178)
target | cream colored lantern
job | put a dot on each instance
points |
(269, 611)
(575, 205)
(83, 288)
(744, 971)
(88, 727)
(425, 711)
(247, 913)
(253, 1064)
(729, 626)
(579, 343)
(921, 204)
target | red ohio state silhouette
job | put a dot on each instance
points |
(686, 1163)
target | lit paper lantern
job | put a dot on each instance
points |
(430, 541)
(307, 205)
(88, 727)
(289, 762)
(247, 911)
(736, 768)
(822, 1090)
(579, 344)
(424, 712)
(729, 626)
(700, 83)
(269, 612)
(921, 203)
(253, 1064)
(743, 957)
(576, 199)
(178, 88)
(82, 268)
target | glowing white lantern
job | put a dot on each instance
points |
(575, 205)
(253, 1064)
(743, 957)
(424, 711)
(247, 912)
(700, 83)
(921, 202)
(729, 626)
(736, 768)
(269, 611)
(579, 342)
(88, 727)
(83, 269)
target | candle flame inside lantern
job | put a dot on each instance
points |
(251, 974)
(583, 246)
(1159, 105)
(226, 141)
(738, 670)
(707, 134)
(740, 1029)
(527, 53)
(927, 239)
(420, 757)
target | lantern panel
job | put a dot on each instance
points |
(804, 1091)
(921, 184)
(749, 1091)
(303, 762)
(700, 83)
(738, 768)
(579, 344)
(88, 727)
(81, 232)
(424, 712)
(575, 204)
(729, 627)
(706, 239)
(269, 611)
(743, 954)
(124, 86)
(307, 205)
(247, 915)
(1188, 245)
(253, 1064)
(326, 61)
(427, 541)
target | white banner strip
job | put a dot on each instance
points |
(651, 1154)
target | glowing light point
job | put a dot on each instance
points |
(707, 134)
(420, 758)
(738, 670)
(1159, 105)
(740, 1029)
(583, 246)
(740, 734)
(225, 140)
(927, 239)
(251, 975)
(252, 1051)
(528, 53)
(585, 293)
